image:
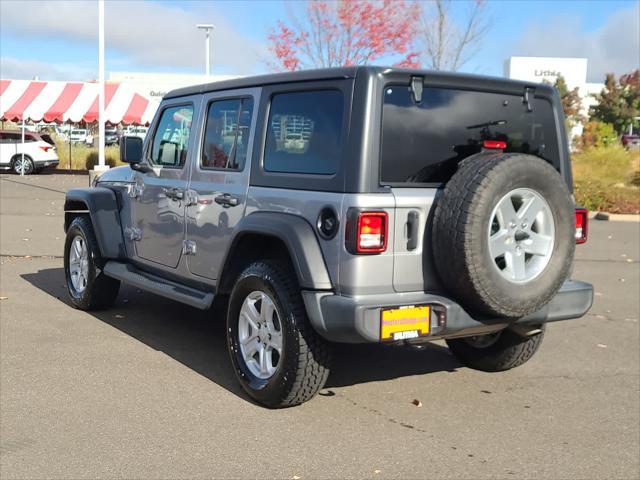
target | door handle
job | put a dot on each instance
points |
(413, 221)
(227, 200)
(174, 193)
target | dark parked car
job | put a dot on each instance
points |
(631, 141)
(345, 205)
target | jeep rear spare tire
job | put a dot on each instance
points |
(503, 234)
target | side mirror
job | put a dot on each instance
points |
(131, 150)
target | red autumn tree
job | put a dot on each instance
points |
(345, 32)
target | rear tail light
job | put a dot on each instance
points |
(46, 149)
(494, 144)
(582, 225)
(367, 232)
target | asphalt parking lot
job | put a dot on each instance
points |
(145, 390)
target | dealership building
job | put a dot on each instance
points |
(541, 69)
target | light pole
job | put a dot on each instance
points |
(101, 157)
(207, 30)
(102, 164)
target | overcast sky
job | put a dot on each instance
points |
(57, 40)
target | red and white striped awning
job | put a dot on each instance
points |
(73, 102)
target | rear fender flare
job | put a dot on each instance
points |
(299, 238)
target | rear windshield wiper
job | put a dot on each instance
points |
(487, 124)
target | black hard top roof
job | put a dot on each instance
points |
(341, 73)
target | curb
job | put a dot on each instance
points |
(615, 217)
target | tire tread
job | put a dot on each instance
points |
(510, 351)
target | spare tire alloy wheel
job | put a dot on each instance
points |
(521, 235)
(260, 334)
(503, 234)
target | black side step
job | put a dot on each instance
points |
(129, 274)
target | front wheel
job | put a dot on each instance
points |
(277, 356)
(495, 352)
(89, 288)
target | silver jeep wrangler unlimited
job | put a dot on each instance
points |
(347, 205)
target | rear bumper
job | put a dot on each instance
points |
(46, 163)
(357, 319)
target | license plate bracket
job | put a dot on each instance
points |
(405, 322)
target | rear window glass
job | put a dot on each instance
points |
(304, 132)
(47, 138)
(423, 143)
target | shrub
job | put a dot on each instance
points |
(597, 134)
(84, 157)
(605, 179)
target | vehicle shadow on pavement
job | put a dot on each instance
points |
(197, 339)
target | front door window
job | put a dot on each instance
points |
(169, 148)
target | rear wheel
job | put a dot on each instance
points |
(19, 165)
(495, 352)
(277, 356)
(88, 287)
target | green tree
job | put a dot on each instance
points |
(571, 103)
(619, 102)
(630, 84)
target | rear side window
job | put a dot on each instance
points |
(226, 137)
(47, 138)
(423, 143)
(304, 132)
(171, 139)
(10, 137)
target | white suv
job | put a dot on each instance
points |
(81, 135)
(39, 152)
(135, 131)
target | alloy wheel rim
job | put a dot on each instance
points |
(20, 164)
(79, 264)
(260, 334)
(521, 235)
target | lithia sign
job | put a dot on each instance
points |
(546, 73)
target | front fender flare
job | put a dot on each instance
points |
(102, 205)
(299, 238)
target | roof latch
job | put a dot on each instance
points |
(526, 98)
(416, 89)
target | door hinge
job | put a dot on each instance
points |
(135, 190)
(188, 247)
(528, 97)
(132, 233)
(191, 198)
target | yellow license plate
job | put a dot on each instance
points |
(404, 322)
